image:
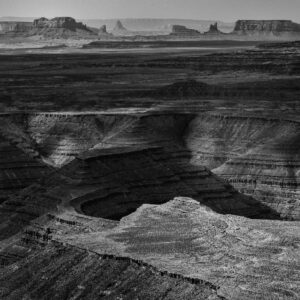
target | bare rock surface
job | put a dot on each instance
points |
(243, 258)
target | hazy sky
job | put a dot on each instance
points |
(227, 10)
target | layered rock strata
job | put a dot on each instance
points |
(239, 149)
(235, 257)
(258, 156)
(112, 183)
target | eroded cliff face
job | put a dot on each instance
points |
(258, 156)
(60, 137)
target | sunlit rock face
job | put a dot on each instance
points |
(234, 257)
(258, 156)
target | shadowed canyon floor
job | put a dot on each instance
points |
(94, 147)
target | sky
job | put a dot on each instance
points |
(223, 10)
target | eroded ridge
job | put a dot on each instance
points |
(240, 258)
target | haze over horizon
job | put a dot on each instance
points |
(187, 9)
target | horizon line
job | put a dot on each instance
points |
(154, 18)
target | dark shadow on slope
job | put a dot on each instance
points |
(155, 176)
(126, 178)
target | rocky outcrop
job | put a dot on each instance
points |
(59, 22)
(184, 31)
(237, 258)
(213, 30)
(250, 27)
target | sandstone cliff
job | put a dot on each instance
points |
(259, 156)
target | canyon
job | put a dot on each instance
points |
(150, 173)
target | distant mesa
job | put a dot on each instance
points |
(250, 27)
(182, 30)
(213, 29)
(246, 28)
(68, 27)
(60, 22)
